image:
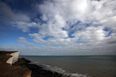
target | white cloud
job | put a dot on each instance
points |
(62, 14)
(91, 34)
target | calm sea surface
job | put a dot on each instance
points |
(95, 66)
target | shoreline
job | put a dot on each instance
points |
(24, 68)
(43, 70)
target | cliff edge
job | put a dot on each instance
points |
(13, 66)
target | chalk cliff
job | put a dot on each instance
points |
(9, 57)
(13, 66)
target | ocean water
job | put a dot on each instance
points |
(94, 66)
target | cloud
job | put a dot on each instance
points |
(84, 20)
(67, 23)
(62, 19)
(16, 19)
(91, 35)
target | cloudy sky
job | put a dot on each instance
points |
(58, 27)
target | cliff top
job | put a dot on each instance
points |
(7, 52)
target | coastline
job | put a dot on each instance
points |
(94, 66)
(48, 71)
(25, 68)
(80, 66)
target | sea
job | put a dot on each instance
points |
(93, 66)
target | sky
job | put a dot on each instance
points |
(58, 27)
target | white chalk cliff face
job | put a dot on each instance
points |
(14, 58)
